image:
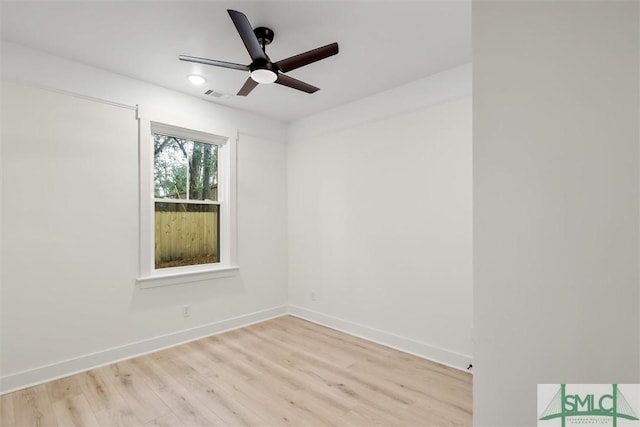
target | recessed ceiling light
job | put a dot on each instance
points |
(196, 79)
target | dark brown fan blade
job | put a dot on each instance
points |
(214, 62)
(306, 58)
(296, 84)
(248, 86)
(249, 39)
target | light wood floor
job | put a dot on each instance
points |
(284, 371)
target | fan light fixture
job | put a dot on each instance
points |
(261, 69)
(196, 79)
(263, 76)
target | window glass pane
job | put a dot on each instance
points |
(203, 171)
(186, 234)
(170, 166)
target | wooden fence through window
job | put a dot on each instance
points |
(185, 235)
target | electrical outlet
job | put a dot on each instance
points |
(186, 310)
(313, 296)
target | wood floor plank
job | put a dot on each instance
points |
(144, 403)
(116, 417)
(7, 417)
(436, 413)
(217, 345)
(63, 388)
(169, 420)
(189, 410)
(277, 366)
(74, 411)
(314, 411)
(416, 364)
(349, 344)
(426, 388)
(313, 345)
(365, 417)
(105, 401)
(282, 356)
(210, 392)
(149, 374)
(282, 372)
(363, 388)
(32, 407)
(273, 408)
(209, 363)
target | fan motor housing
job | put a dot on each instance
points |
(264, 35)
(262, 64)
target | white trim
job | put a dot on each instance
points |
(187, 274)
(189, 134)
(145, 203)
(87, 97)
(154, 121)
(64, 368)
(186, 201)
(436, 354)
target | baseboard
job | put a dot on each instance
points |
(436, 354)
(39, 375)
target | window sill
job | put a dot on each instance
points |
(180, 277)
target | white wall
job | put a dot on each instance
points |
(70, 223)
(380, 222)
(555, 103)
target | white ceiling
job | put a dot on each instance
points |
(382, 44)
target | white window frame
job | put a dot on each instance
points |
(149, 276)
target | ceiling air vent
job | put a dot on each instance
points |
(215, 94)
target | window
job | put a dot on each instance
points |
(187, 189)
(185, 177)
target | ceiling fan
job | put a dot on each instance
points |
(262, 69)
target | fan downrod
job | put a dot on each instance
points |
(264, 35)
